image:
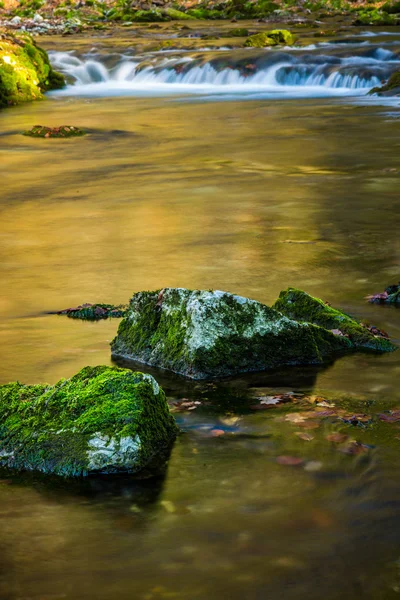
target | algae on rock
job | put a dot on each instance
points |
(25, 70)
(103, 420)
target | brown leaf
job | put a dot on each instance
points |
(289, 460)
(307, 437)
(217, 432)
(309, 424)
(337, 438)
(392, 417)
(354, 448)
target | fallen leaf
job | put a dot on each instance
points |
(289, 460)
(337, 438)
(309, 425)
(354, 448)
(217, 432)
(307, 437)
(313, 465)
(392, 417)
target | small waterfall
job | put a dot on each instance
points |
(289, 74)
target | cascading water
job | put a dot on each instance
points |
(315, 71)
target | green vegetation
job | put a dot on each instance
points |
(270, 38)
(95, 312)
(302, 307)
(25, 70)
(102, 420)
(392, 86)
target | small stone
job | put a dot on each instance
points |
(38, 18)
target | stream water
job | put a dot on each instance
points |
(198, 174)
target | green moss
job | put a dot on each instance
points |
(147, 16)
(178, 15)
(270, 38)
(393, 84)
(51, 428)
(95, 312)
(239, 32)
(210, 334)
(302, 307)
(65, 131)
(374, 17)
(25, 70)
(204, 13)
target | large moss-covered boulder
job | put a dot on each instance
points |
(103, 420)
(25, 70)
(204, 334)
(274, 37)
(304, 308)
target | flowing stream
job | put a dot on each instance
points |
(293, 180)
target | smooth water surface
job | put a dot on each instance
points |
(245, 196)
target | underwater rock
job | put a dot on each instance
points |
(304, 308)
(25, 70)
(390, 88)
(270, 38)
(65, 131)
(104, 420)
(94, 312)
(390, 296)
(205, 334)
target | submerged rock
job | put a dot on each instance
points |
(205, 334)
(65, 131)
(302, 307)
(270, 38)
(25, 70)
(103, 420)
(94, 312)
(390, 296)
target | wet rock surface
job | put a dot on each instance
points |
(206, 334)
(103, 420)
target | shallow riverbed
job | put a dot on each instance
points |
(248, 196)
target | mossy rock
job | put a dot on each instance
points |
(104, 420)
(304, 308)
(25, 70)
(95, 312)
(178, 15)
(270, 38)
(147, 16)
(391, 88)
(391, 295)
(205, 13)
(239, 32)
(65, 131)
(206, 334)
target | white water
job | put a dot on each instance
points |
(288, 74)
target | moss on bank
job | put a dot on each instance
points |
(25, 70)
(102, 420)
